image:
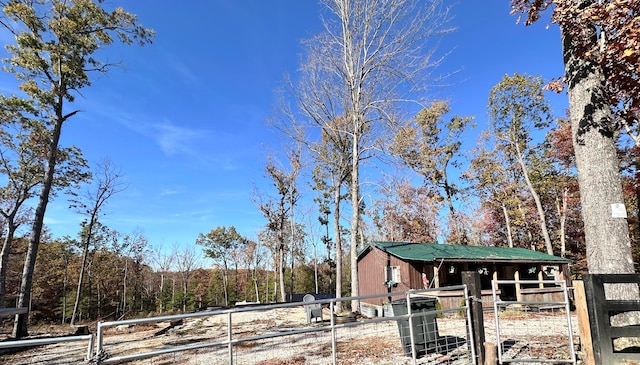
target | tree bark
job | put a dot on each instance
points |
(283, 294)
(225, 283)
(161, 291)
(336, 229)
(607, 238)
(355, 218)
(124, 286)
(4, 259)
(255, 287)
(562, 213)
(76, 305)
(507, 223)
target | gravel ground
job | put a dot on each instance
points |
(367, 343)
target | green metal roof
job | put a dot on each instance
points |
(434, 252)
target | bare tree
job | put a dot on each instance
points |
(187, 260)
(371, 56)
(133, 249)
(253, 260)
(107, 181)
(163, 262)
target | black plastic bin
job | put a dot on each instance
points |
(425, 327)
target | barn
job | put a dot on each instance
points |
(388, 267)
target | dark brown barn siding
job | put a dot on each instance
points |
(415, 274)
(371, 274)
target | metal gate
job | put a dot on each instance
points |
(535, 328)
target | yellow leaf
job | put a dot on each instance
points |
(628, 52)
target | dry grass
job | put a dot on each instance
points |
(371, 349)
(298, 360)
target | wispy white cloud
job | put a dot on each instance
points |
(185, 73)
(171, 191)
(174, 139)
(180, 69)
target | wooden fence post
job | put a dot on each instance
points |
(472, 280)
(582, 313)
(491, 353)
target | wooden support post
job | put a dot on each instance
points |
(540, 278)
(516, 277)
(436, 276)
(472, 280)
(582, 313)
(566, 276)
(491, 353)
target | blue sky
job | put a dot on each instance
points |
(184, 117)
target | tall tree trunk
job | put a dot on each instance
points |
(507, 223)
(275, 289)
(76, 305)
(448, 195)
(355, 218)
(85, 254)
(255, 287)
(173, 294)
(185, 287)
(315, 267)
(338, 253)
(283, 294)
(526, 225)
(266, 288)
(607, 237)
(292, 250)
(124, 287)
(542, 221)
(4, 259)
(64, 290)
(161, 291)
(98, 300)
(236, 287)
(225, 284)
(561, 207)
(24, 300)
(291, 275)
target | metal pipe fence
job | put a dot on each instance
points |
(51, 340)
(402, 331)
(227, 342)
(536, 330)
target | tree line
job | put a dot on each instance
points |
(126, 277)
(383, 160)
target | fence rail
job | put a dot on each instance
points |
(231, 341)
(49, 341)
